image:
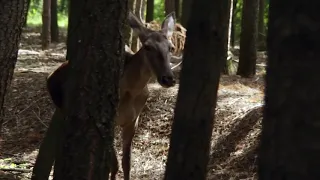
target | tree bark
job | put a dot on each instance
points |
(186, 8)
(169, 6)
(290, 127)
(150, 10)
(12, 19)
(54, 21)
(232, 38)
(92, 92)
(177, 9)
(205, 51)
(261, 44)
(248, 39)
(46, 24)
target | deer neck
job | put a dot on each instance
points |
(137, 72)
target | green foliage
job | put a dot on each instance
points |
(159, 12)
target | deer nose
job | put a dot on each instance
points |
(168, 81)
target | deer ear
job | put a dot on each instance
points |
(136, 26)
(168, 24)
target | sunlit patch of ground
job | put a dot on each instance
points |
(28, 112)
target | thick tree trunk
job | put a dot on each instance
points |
(206, 47)
(290, 127)
(46, 24)
(169, 6)
(261, 44)
(92, 92)
(12, 19)
(150, 9)
(186, 8)
(248, 39)
(54, 21)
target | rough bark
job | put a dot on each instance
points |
(12, 18)
(74, 14)
(205, 51)
(92, 92)
(186, 8)
(169, 6)
(54, 21)
(46, 24)
(290, 127)
(261, 43)
(248, 39)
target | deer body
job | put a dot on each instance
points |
(153, 59)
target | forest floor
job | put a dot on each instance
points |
(28, 112)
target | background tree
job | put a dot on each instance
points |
(12, 19)
(290, 127)
(150, 8)
(46, 24)
(248, 39)
(261, 43)
(139, 12)
(92, 89)
(205, 51)
(169, 6)
(54, 21)
(177, 5)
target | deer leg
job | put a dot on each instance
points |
(127, 136)
(114, 164)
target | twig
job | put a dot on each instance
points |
(16, 169)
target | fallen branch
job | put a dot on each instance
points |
(16, 170)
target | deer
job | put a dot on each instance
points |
(153, 59)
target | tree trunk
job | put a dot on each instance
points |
(228, 61)
(54, 21)
(46, 24)
(186, 8)
(12, 18)
(150, 9)
(92, 92)
(169, 6)
(261, 44)
(177, 9)
(28, 7)
(232, 38)
(290, 127)
(128, 30)
(206, 47)
(137, 11)
(248, 39)
(75, 10)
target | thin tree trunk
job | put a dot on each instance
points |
(248, 39)
(177, 9)
(12, 19)
(150, 9)
(290, 127)
(46, 24)
(92, 92)
(26, 19)
(232, 38)
(206, 47)
(54, 21)
(261, 44)
(169, 6)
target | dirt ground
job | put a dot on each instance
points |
(28, 111)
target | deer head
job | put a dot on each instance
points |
(156, 47)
